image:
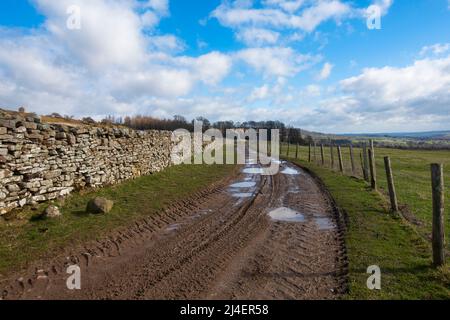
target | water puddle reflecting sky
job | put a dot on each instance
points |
(253, 170)
(242, 194)
(249, 184)
(286, 214)
(290, 171)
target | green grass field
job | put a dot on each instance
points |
(412, 176)
(24, 239)
(377, 237)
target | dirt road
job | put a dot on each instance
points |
(255, 237)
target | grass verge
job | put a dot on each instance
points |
(376, 237)
(24, 239)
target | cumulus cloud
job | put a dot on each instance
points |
(161, 7)
(210, 68)
(107, 27)
(286, 5)
(325, 72)
(421, 87)
(238, 14)
(295, 15)
(111, 65)
(313, 90)
(276, 61)
(259, 93)
(167, 43)
(258, 36)
(376, 100)
(120, 63)
(436, 49)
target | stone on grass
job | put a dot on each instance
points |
(52, 212)
(99, 206)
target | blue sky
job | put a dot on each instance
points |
(309, 63)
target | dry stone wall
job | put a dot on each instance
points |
(41, 161)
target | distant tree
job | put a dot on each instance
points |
(55, 115)
(206, 122)
(178, 118)
(89, 120)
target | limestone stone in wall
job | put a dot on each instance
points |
(41, 162)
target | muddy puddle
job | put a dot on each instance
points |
(242, 194)
(253, 171)
(245, 184)
(290, 215)
(286, 214)
(290, 171)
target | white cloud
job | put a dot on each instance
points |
(297, 16)
(436, 49)
(276, 61)
(210, 68)
(107, 27)
(167, 43)
(324, 10)
(313, 90)
(33, 67)
(258, 36)
(422, 88)
(238, 14)
(162, 82)
(161, 7)
(286, 5)
(325, 72)
(109, 66)
(259, 93)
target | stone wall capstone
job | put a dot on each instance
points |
(41, 161)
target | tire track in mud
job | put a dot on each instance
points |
(220, 243)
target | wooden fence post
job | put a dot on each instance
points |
(366, 163)
(309, 157)
(315, 152)
(288, 147)
(437, 182)
(373, 168)
(391, 185)
(362, 161)
(341, 164)
(352, 159)
(373, 182)
(322, 154)
(296, 151)
(332, 156)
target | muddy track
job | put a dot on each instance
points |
(219, 244)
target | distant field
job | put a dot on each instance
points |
(412, 177)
